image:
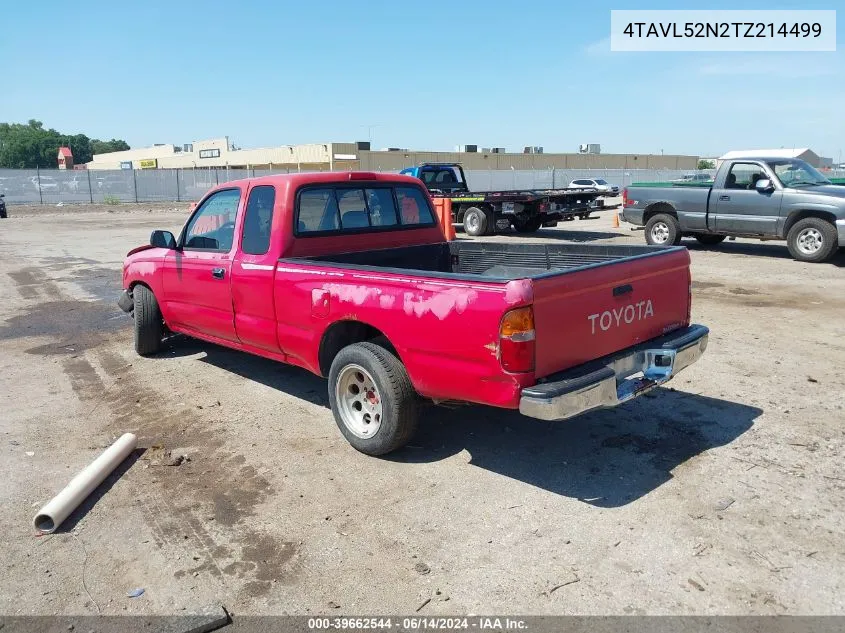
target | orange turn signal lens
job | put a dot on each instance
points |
(517, 322)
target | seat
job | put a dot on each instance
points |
(355, 220)
(730, 183)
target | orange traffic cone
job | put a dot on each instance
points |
(615, 220)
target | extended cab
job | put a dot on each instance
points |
(765, 198)
(349, 276)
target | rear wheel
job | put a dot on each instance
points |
(372, 399)
(149, 325)
(812, 240)
(663, 230)
(475, 222)
(527, 225)
(709, 240)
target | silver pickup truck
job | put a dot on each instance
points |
(760, 197)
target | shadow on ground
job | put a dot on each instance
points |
(775, 250)
(605, 458)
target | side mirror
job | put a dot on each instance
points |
(764, 185)
(162, 239)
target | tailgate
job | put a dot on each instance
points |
(582, 315)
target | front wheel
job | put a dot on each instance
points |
(149, 326)
(812, 240)
(663, 230)
(372, 399)
(708, 239)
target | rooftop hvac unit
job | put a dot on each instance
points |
(498, 150)
(467, 149)
(363, 145)
(532, 149)
(485, 150)
(589, 148)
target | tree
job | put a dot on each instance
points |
(706, 164)
(30, 145)
(104, 147)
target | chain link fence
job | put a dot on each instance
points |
(34, 186)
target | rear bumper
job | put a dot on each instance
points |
(616, 378)
(633, 215)
(840, 228)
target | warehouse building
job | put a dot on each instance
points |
(220, 152)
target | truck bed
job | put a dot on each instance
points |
(493, 260)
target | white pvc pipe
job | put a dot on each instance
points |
(59, 507)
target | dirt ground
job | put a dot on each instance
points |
(722, 495)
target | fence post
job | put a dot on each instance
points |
(38, 177)
(216, 176)
(135, 184)
(178, 193)
(90, 191)
(553, 177)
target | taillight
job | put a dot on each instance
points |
(625, 197)
(517, 339)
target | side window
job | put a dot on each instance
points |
(353, 209)
(381, 206)
(413, 206)
(744, 176)
(317, 211)
(213, 225)
(258, 220)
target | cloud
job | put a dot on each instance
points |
(599, 48)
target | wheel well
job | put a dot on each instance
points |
(341, 334)
(135, 284)
(795, 216)
(659, 207)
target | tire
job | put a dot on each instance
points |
(529, 225)
(708, 239)
(812, 240)
(149, 326)
(475, 222)
(663, 230)
(355, 370)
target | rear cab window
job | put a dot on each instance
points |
(373, 207)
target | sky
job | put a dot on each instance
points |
(406, 74)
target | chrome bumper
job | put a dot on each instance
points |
(616, 378)
(840, 228)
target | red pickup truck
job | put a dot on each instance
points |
(349, 276)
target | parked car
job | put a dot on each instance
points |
(3, 213)
(297, 268)
(765, 198)
(598, 184)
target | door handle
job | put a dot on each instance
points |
(218, 273)
(724, 198)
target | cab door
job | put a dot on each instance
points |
(254, 269)
(741, 208)
(196, 275)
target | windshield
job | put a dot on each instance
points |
(795, 172)
(601, 182)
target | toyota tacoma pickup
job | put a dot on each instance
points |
(349, 276)
(760, 197)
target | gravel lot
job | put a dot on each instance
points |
(722, 495)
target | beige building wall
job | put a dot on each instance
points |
(346, 156)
